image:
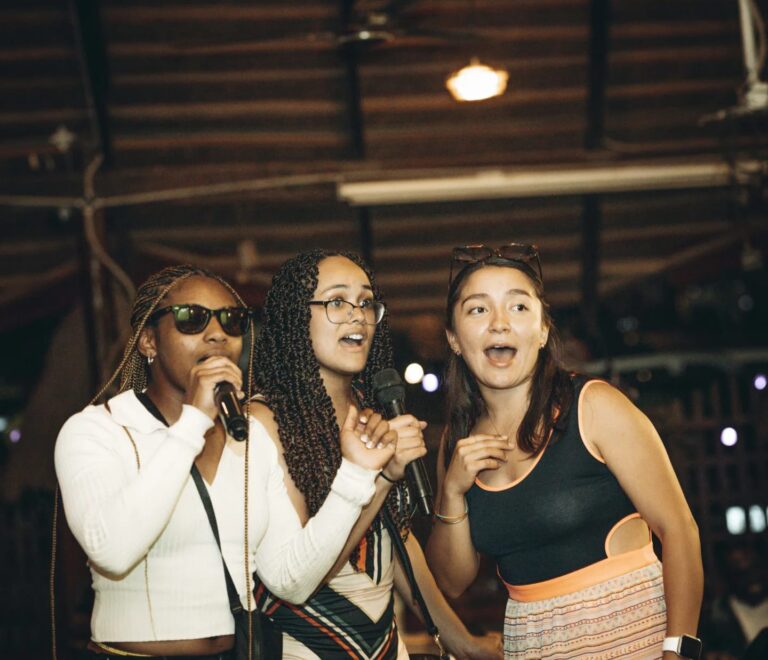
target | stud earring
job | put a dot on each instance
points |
(150, 359)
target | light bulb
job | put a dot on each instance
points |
(476, 82)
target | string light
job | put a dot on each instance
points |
(757, 521)
(728, 436)
(736, 520)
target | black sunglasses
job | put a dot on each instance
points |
(193, 319)
(522, 253)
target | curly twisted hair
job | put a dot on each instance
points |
(133, 370)
(289, 378)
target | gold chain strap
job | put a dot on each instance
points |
(52, 572)
(245, 546)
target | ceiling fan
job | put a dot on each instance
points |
(360, 23)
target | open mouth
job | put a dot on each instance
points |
(353, 339)
(501, 353)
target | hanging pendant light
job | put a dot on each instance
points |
(476, 82)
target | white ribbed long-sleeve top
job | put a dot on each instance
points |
(121, 514)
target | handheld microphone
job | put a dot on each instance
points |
(389, 390)
(230, 411)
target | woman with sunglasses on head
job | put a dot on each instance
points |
(558, 478)
(324, 337)
(124, 473)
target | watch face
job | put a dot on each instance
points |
(690, 647)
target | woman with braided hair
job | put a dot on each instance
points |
(325, 335)
(124, 473)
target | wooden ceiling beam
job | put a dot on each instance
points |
(554, 272)
(35, 53)
(216, 78)
(220, 13)
(47, 117)
(229, 139)
(309, 108)
(674, 29)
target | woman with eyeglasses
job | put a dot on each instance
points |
(558, 478)
(324, 337)
(124, 473)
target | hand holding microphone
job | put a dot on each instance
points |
(389, 391)
(229, 408)
(213, 387)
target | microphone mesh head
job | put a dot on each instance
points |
(388, 386)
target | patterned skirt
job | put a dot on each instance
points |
(621, 617)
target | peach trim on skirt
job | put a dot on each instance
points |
(620, 617)
(583, 577)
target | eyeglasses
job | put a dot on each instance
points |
(340, 311)
(193, 319)
(522, 253)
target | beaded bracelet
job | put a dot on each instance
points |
(453, 520)
(386, 478)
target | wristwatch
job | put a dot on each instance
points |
(686, 646)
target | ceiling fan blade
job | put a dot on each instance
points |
(469, 36)
(211, 47)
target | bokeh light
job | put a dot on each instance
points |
(414, 372)
(430, 383)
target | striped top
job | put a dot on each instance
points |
(350, 617)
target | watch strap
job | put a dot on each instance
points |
(686, 646)
(671, 644)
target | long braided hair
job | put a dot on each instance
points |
(289, 378)
(133, 370)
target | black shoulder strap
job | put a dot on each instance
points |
(405, 562)
(234, 600)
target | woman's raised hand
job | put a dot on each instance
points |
(366, 439)
(472, 455)
(410, 445)
(204, 377)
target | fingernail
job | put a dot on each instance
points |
(369, 444)
(379, 446)
(363, 419)
(364, 438)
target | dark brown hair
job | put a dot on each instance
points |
(551, 389)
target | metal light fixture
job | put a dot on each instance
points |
(476, 82)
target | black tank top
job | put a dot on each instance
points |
(556, 519)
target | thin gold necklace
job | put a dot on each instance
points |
(496, 428)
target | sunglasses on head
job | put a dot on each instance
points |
(193, 319)
(521, 253)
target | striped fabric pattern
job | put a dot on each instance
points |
(350, 617)
(329, 626)
(622, 617)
